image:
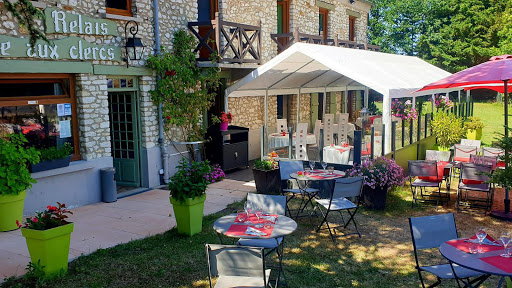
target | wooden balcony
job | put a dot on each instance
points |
(235, 43)
(285, 40)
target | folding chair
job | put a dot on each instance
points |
(428, 177)
(495, 152)
(484, 160)
(468, 142)
(462, 154)
(473, 178)
(444, 158)
(236, 266)
(270, 204)
(430, 232)
(343, 189)
(285, 169)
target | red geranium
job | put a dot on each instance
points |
(226, 117)
(52, 217)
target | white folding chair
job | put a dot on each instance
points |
(282, 125)
(468, 142)
(328, 129)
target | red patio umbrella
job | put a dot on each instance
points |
(494, 74)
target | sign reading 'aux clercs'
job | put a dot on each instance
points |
(74, 48)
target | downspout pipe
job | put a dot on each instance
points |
(161, 139)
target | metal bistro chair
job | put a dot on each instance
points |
(428, 176)
(237, 266)
(473, 178)
(285, 169)
(462, 154)
(442, 156)
(343, 189)
(430, 232)
(498, 153)
(468, 142)
(270, 204)
(484, 160)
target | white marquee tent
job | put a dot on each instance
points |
(312, 68)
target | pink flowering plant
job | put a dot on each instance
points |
(53, 216)
(443, 102)
(403, 110)
(192, 178)
(380, 172)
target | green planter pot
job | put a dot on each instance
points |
(189, 214)
(474, 134)
(11, 209)
(50, 247)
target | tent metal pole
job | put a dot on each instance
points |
(324, 103)
(468, 95)
(345, 103)
(433, 100)
(226, 101)
(266, 109)
(366, 96)
(298, 106)
(505, 94)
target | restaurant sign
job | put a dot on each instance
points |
(67, 23)
(73, 48)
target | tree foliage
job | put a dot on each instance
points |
(184, 90)
(451, 34)
(26, 14)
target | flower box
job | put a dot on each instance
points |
(49, 165)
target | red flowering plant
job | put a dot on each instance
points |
(226, 117)
(53, 216)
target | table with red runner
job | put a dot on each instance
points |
(240, 229)
(499, 262)
(462, 245)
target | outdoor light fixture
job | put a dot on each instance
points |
(364, 113)
(134, 47)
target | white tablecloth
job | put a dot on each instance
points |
(335, 154)
(278, 140)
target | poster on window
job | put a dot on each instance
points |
(67, 109)
(60, 110)
(65, 128)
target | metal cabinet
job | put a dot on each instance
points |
(229, 149)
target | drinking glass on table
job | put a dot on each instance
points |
(331, 170)
(312, 164)
(505, 238)
(258, 211)
(248, 208)
(324, 165)
(481, 233)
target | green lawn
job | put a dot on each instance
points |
(492, 114)
(382, 258)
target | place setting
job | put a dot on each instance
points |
(252, 222)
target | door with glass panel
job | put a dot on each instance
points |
(124, 135)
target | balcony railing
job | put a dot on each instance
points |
(234, 42)
(285, 40)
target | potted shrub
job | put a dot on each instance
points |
(474, 126)
(53, 158)
(188, 192)
(448, 130)
(15, 178)
(48, 236)
(266, 176)
(379, 174)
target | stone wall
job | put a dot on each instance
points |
(148, 112)
(250, 13)
(93, 116)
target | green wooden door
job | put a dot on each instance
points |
(124, 137)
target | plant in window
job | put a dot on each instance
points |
(184, 90)
(448, 129)
(54, 153)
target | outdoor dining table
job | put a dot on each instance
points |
(278, 140)
(489, 262)
(337, 154)
(284, 226)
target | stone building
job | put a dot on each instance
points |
(81, 89)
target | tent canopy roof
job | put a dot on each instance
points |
(318, 68)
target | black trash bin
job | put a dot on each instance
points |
(108, 185)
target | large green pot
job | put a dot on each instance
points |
(11, 209)
(189, 214)
(50, 247)
(474, 134)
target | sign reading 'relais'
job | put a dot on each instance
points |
(68, 23)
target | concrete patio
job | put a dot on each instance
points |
(104, 225)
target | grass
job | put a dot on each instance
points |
(383, 257)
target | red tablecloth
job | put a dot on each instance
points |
(239, 230)
(320, 177)
(499, 262)
(464, 246)
(252, 218)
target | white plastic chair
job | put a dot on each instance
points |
(301, 151)
(282, 125)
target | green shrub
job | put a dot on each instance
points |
(14, 159)
(448, 129)
(54, 153)
(191, 179)
(474, 123)
(264, 165)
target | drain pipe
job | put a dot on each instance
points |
(161, 139)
